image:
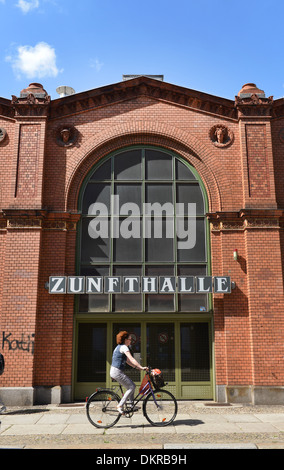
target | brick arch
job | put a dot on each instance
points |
(143, 133)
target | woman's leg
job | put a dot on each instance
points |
(126, 382)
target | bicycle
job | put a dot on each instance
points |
(159, 406)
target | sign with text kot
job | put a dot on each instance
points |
(139, 284)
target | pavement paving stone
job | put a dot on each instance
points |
(279, 426)
(258, 427)
(216, 418)
(21, 418)
(271, 417)
(241, 418)
(29, 429)
(77, 419)
(83, 429)
(206, 428)
(3, 428)
(53, 418)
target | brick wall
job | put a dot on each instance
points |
(19, 303)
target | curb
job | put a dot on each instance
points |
(210, 446)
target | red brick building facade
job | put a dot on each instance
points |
(233, 149)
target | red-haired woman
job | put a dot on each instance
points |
(122, 356)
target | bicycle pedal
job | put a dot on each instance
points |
(131, 409)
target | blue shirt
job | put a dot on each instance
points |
(119, 357)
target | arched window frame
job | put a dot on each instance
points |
(111, 299)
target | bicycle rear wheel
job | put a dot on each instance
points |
(160, 409)
(101, 409)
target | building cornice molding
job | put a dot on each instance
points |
(246, 219)
(142, 86)
(38, 219)
(254, 106)
(242, 107)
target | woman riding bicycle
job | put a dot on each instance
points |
(121, 357)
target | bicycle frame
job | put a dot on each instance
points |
(144, 393)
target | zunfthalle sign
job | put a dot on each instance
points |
(139, 284)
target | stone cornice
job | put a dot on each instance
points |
(30, 106)
(246, 219)
(38, 219)
(142, 86)
(254, 106)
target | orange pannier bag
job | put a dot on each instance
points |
(144, 384)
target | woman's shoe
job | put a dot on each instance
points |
(120, 410)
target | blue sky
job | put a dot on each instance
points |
(214, 46)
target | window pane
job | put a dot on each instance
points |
(158, 165)
(128, 247)
(192, 246)
(192, 270)
(161, 348)
(161, 193)
(129, 193)
(183, 172)
(95, 249)
(91, 353)
(103, 172)
(127, 302)
(159, 244)
(128, 166)
(195, 360)
(96, 193)
(192, 302)
(190, 194)
(94, 302)
(159, 302)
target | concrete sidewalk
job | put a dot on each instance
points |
(197, 424)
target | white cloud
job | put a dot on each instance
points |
(96, 64)
(27, 6)
(38, 61)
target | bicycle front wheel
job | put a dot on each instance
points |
(160, 408)
(101, 409)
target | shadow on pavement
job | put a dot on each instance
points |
(188, 422)
(24, 412)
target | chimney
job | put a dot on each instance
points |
(65, 91)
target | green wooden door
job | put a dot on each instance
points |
(181, 349)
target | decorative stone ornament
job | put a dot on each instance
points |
(33, 101)
(3, 134)
(221, 136)
(251, 101)
(66, 136)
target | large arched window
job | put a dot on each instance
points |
(122, 235)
